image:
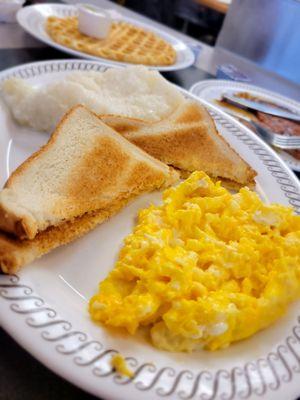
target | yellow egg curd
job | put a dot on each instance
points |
(204, 269)
(118, 362)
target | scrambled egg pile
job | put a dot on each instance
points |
(204, 269)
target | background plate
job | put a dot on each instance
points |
(45, 307)
(33, 18)
(210, 90)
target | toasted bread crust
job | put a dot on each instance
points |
(22, 167)
(98, 177)
(22, 226)
(15, 253)
(9, 223)
(186, 141)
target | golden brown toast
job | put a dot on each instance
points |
(85, 166)
(15, 253)
(187, 140)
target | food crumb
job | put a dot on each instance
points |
(119, 364)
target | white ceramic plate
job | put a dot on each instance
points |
(211, 90)
(33, 18)
(45, 307)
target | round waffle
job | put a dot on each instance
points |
(125, 42)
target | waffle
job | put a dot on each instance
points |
(125, 42)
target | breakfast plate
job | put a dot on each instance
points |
(44, 307)
(212, 90)
(33, 19)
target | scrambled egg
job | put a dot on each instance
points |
(120, 365)
(204, 269)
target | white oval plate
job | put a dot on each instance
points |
(33, 18)
(45, 307)
(210, 90)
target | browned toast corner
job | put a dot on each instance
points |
(187, 140)
(15, 253)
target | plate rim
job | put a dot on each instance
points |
(197, 88)
(8, 284)
(25, 11)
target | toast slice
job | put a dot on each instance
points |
(15, 253)
(85, 166)
(187, 140)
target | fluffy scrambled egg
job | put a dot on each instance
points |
(204, 269)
